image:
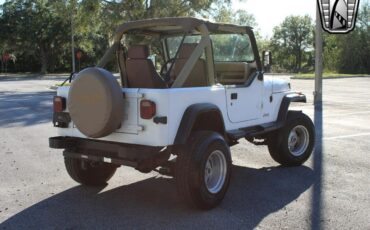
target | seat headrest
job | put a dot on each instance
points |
(187, 49)
(138, 52)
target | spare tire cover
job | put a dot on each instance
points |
(95, 102)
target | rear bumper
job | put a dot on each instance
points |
(62, 142)
(110, 152)
(66, 142)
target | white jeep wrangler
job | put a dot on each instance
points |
(180, 121)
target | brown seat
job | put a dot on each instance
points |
(198, 76)
(140, 70)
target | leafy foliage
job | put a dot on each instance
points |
(349, 53)
(37, 33)
(292, 46)
(292, 42)
(33, 31)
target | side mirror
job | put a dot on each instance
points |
(267, 61)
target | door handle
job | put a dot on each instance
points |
(234, 96)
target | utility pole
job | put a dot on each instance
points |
(318, 60)
(72, 39)
(317, 211)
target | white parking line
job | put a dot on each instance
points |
(347, 136)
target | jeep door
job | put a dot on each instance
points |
(236, 69)
(244, 102)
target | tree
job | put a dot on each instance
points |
(291, 40)
(331, 52)
(38, 31)
(349, 53)
(354, 48)
(34, 30)
(242, 17)
(224, 13)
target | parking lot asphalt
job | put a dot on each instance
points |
(330, 191)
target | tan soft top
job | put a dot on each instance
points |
(177, 25)
(170, 26)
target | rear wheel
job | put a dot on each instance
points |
(293, 144)
(203, 170)
(89, 173)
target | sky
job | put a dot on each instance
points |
(270, 13)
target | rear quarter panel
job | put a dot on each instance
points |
(181, 98)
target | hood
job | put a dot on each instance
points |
(279, 85)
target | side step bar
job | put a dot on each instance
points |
(254, 130)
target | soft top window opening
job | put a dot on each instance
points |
(232, 47)
(172, 43)
(167, 76)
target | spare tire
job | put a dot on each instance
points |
(95, 102)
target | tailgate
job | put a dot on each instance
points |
(131, 112)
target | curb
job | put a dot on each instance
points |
(30, 78)
(324, 78)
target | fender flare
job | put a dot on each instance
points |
(189, 118)
(284, 106)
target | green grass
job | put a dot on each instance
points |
(60, 84)
(328, 75)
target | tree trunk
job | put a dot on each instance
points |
(295, 61)
(299, 60)
(52, 61)
(43, 59)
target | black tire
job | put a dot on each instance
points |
(91, 174)
(278, 143)
(191, 165)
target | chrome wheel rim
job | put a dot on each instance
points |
(215, 171)
(298, 140)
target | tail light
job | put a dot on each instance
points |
(59, 104)
(147, 109)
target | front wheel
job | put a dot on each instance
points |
(89, 173)
(203, 170)
(293, 144)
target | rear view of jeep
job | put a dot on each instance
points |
(187, 90)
